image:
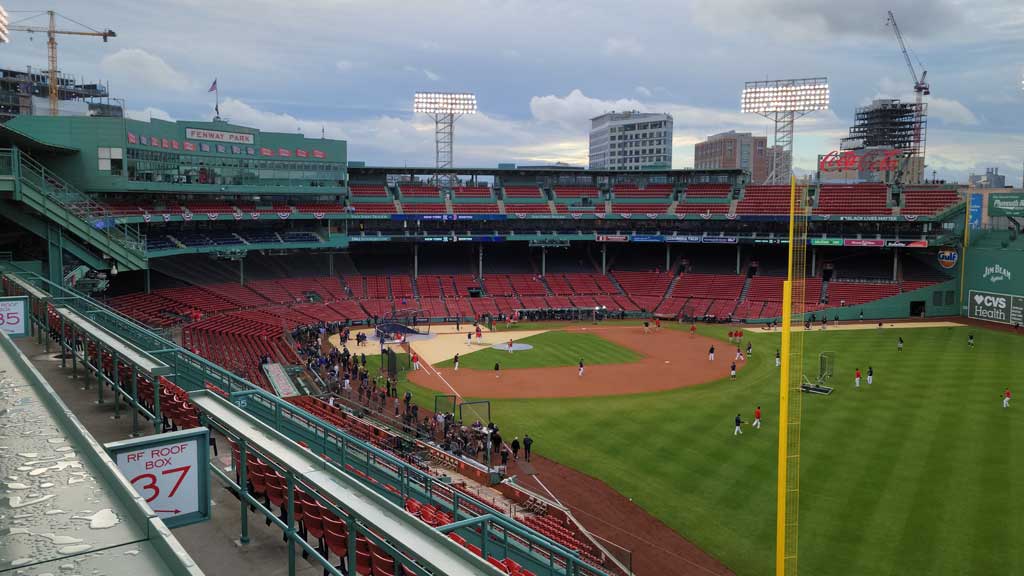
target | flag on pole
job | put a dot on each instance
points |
(213, 87)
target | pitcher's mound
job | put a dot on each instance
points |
(516, 346)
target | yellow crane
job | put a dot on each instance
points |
(51, 44)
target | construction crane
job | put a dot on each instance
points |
(921, 88)
(51, 44)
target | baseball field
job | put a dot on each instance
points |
(918, 473)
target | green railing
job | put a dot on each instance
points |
(75, 202)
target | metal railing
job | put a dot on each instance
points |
(71, 199)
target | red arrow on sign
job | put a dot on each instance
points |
(175, 511)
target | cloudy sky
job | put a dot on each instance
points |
(542, 68)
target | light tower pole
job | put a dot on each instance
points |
(782, 102)
(444, 108)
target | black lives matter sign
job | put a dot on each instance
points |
(996, 307)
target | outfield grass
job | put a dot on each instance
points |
(918, 474)
(550, 349)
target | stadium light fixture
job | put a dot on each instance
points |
(444, 108)
(783, 101)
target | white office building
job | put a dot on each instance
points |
(631, 141)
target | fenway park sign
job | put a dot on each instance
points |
(871, 161)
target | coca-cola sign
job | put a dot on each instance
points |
(871, 160)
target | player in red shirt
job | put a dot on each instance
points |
(856, 378)
(693, 330)
(757, 418)
(1006, 398)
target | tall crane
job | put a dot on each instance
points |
(921, 88)
(51, 44)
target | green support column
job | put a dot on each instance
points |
(241, 271)
(145, 276)
(135, 402)
(60, 339)
(74, 354)
(351, 548)
(158, 423)
(243, 489)
(55, 254)
(99, 372)
(290, 531)
(85, 360)
(115, 384)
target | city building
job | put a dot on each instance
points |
(735, 150)
(26, 92)
(889, 124)
(631, 141)
(991, 179)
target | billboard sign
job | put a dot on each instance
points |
(948, 257)
(1010, 204)
(995, 307)
(611, 238)
(169, 472)
(219, 136)
(863, 243)
(870, 160)
(976, 203)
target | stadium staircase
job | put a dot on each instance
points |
(501, 206)
(63, 204)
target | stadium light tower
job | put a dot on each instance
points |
(444, 108)
(783, 101)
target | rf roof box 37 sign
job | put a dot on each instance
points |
(169, 471)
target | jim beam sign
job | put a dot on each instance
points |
(995, 307)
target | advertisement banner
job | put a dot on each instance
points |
(646, 238)
(906, 243)
(975, 203)
(995, 307)
(683, 239)
(1009, 204)
(863, 243)
(719, 240)
(611, 238)
(826, 241)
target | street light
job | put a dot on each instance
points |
(783, 101)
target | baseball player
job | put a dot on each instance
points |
(899, 344)
(456, 359)
(871, 375)
(778, 359)
(509, 345)
(732, 336)
(750, 349)
(647, 327)
(970, 341)
(856, 378)
(415, 361)
(497, 370)
(469, 338)
(581, 367)
(1006, 398)
(657, 324)
(739, 422)
(757, 418)
(732, 371)
(711, 354)
(693, 330)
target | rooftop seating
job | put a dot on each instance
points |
(764, 200)
(860, 199)
(368, 191)
(512, 192)
(423, 208)
(925, 202)
(475, 208)
(708, 190)
(576, 192)
(471, 192)
(419, 191)
(373, 207)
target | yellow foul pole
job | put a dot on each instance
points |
(789, 407)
